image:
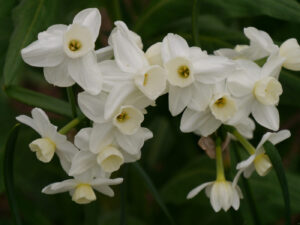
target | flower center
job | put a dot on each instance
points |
(75, 45)
(183, 71)
(145, 79)
(123, 116)
(221, 102)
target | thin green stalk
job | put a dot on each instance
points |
(248, 191)
(117, 9)
(219, 161)
(195, 23)
(8, 173)
(247, 145)
(73, 123)
(72, 101)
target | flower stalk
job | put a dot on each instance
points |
(219, 161)
(73, 123)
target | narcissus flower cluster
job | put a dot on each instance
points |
(212, 91)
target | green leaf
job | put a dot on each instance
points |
(195, 23)
(277, 164)
(291, 88)
(288, 10)
(39, 100)
(30, 17)
(8, 172)
(154, 192)
(72, 101)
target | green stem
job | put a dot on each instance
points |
(73, 123)
(117, 9)
(219, 160)
(195, 23)
(72, 101)
(247, 145)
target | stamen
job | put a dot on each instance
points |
(145, 79)
(184, 71)
(122, 117)
(220, 102)
(74, 45)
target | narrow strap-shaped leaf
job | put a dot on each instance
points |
(36, 99)
(29, 17)
(277, 164)
(247, 188)
(195, 23)
(72, 101)
(154, 191)
(8, 172)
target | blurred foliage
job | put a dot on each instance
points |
(172, 159)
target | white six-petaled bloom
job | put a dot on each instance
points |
(51, 141)
(258, 160)
(260, 89)
(223, 194)
(190, 73)
(133, 64)
(82, 187)
(67, 52)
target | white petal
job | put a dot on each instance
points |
(227, 52)
(280, 136)
(267, 116)
(240, 84)
(207, 124)
(82, 161)
(101, 136)
(132, 144)
(202, 94)
(127, 53)
(104, 53)
(60, 187)
(196, 190)
(42, 122)
(190, 120)
(246, 127)
(249, 170)
(59, 75)
(28, 121)
(91, 19)
(153, 82)
(113, 75)
(273, 66)
(47, 51)
(290, 50)
(85, 71)
(212, 69)
(64, 147)
(101, 185)
(261, 44)
(246, 163)
(174, 46)
(179, 98)
(116, 97)
(153, 54)
(82, 139)
(92, 106)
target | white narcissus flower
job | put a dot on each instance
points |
(222, 193)
(82, 187)
(261, 45)
(258, 160)
(260, 88)
(133, 64)
(51, 141)
(67, 52)
(191, 73)
(222, 109)
(290, 51)
(99, 149)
